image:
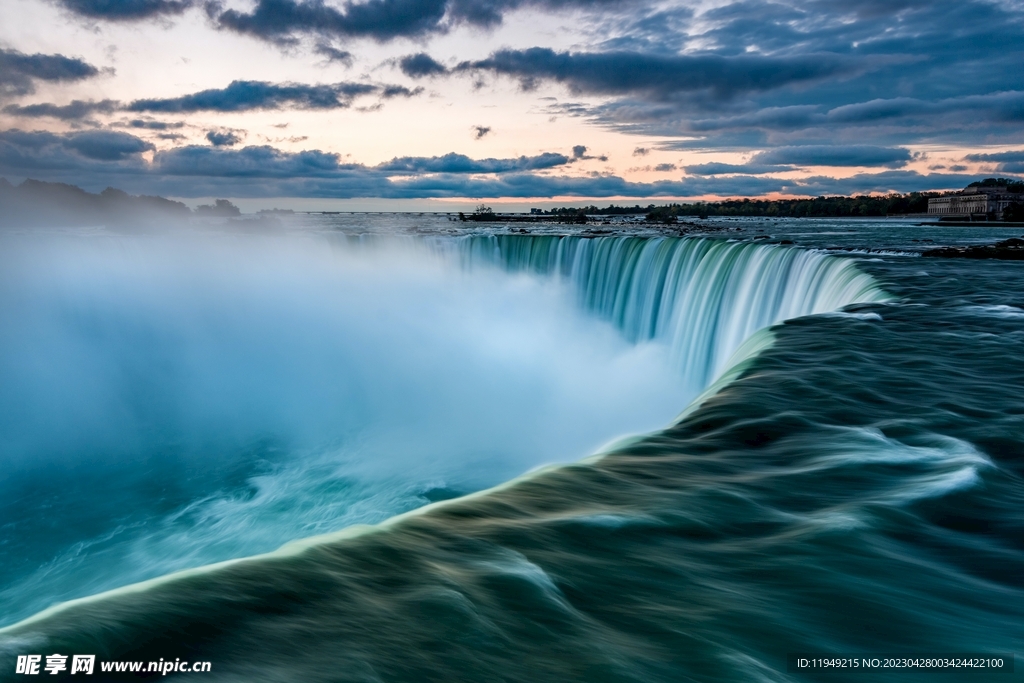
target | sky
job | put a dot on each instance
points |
(428, 103)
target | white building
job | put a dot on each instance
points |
(974, 203)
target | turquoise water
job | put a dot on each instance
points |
(854, 487)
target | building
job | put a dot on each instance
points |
(974, 203)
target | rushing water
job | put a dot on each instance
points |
(854, 487)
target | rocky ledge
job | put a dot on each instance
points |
(1007, 250)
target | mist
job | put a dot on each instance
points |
(170, 400)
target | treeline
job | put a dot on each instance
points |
(894, 204)
(825, 207)
(1012, 186)
(610, 210)
(819, 207)
(37, 203)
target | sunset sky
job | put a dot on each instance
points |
(516, 101)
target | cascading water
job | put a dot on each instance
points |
(157, 356)
(702, 297)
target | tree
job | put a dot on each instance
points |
(1014, 213)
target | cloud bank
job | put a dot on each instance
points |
(115, 158)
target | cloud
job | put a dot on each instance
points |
(248, 162)
(333, 54)
(579, 153)
(1007, 105)
(101, 158)
(746, 81)
(250, 95)
(885, 181)
(19, 71)
(390, 91)
(715, 168)
(74, 111)
(641, 152)
(278, 20)
(1006, 162)
(125, 10)
(481, 131)
(730, 75)
(459, 163)
(225, 138)
(790, 158)
(834, 155)
(660, 76)
(420, 65)
(149, 124)
(1015, 155)
(25, 152)
(281, 21)
(971, 118)
(106, 145)
(665, 168)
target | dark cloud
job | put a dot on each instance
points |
(661, 76)
(149, 124)
(248, 162)
(26, 152)
(223, 138)
(641, 152)
(1007, 106)
(834, 155)
(715, 168)
(579, 153)
(885, 181)
(278, 20)
(390, 91)
(420, 65)
(903, 75)
(125, 10)
(790, 158)
(333, 54)
(19, 71)
(894, 121)
(75, 111)
(459, 163)
(481, 131)
(106, 145)
(282, 20)
(248, 95)
(1006, 162)
(531, 185)
(1017, 155)
(665, 168)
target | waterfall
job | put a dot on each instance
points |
(703, 297)
(283, 373)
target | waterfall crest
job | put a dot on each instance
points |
(703, 297)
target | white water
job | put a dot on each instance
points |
(168, 402)
(701, 297)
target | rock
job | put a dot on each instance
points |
(1007, 250)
